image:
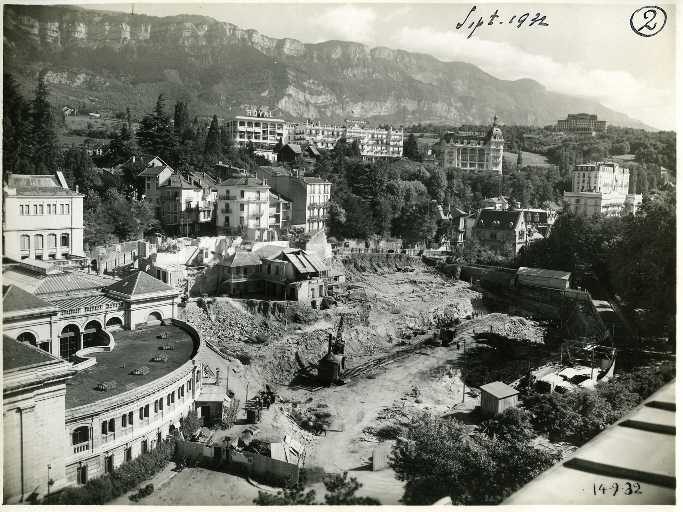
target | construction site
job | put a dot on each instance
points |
(399, 338)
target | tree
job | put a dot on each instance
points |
(212, 147)
(190, 423)
(47, 154)
(643, 260)
(156, 135)
(343, 492)
(411, 149)
(439, 458)
(16, 129)
(292, 494)
(181, 122)
(355, 149)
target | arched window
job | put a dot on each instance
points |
(25, 242)
(51, 241)
(38, 242)
(27, 337)
(64, 240)
(80, 435)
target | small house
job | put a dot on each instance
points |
(496, 397)
(542, 278)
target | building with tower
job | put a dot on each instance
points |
(472, 151)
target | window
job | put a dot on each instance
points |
(147, 411)
(80, 435)
(189, 385)
(35, 209)
(23, 209)
(25, 242)
(196, 377)
(241, 207)
(128, 454)
(130, 418)
(143, 446)
(173, 397)
(175, 207)
(149, 185)
(112, 425)
(124, 421)
(51, 241)
(161, 404)
(105, 429)
(175, 219)
(168, 400)
(242, 194)
(109, 464)
(64, 240)
(38, 242)
(61, 209)
(142, 413)
(82, 475)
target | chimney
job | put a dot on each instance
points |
(329, 343)
(77, 189)
(265, 182)
(218, 376)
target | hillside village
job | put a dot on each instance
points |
(252, 308)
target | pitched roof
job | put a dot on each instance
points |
(38, 284)
(457, 212)
(242, 182)
(305, 263)
(504, 217)
(313, 180)
(29, 180)
(16, 299)
(541, 272)
(155, 170)
(499, 389)
(296, 148)
(240, 259)
(139, 283)
(313, 150)
(276, 170)
(176, 180)
(17, 355)
(270, 252)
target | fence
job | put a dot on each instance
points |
(266, 468)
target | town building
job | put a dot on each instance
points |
(459, 229)
(95, 373)
(186, 208)
(244, 202)
(154, 176)
(581, 123)
(42, 218)
(539, 220)
(472, 151)
(374, 143)
(496, 203)
(279, 211)
(309, 196)
(259, 127)
(225, 172)
(601, 188)
(503, 231)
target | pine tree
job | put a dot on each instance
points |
(47, 156)
(16, 129)
(212, 147)
(156, 135)
(181, 121)
(410, 148)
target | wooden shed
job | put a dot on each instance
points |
(542, 278)
(496, 397)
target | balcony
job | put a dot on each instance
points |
(227, 198)
(227, 210)
(256, 214)
(108, 438)
(257, 201)
(82, 447)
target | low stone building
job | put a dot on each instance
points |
(503, 231)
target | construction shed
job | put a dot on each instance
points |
(541, 278)
(496, 397)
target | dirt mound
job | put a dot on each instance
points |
(357, 264)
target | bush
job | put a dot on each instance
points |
(104, 488)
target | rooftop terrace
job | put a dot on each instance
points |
(133, 349)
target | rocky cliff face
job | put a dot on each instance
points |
(114, 59)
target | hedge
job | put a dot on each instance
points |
(126, 477)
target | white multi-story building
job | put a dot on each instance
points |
(581, 123)
(42, 218)
(472, 152)
(374, 143)
(259, 127)
(244, 202)
(601, 188)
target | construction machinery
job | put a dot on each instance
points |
(331, 366)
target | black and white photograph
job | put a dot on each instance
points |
(318, 253)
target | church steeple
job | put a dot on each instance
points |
(495, 120)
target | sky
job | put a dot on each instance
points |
(587, 49)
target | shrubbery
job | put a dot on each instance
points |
(126, 477)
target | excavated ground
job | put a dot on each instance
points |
(393, 374)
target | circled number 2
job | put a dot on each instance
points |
(648, 21)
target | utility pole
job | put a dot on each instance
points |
(464, 367)
(49, 482)
(592, 359)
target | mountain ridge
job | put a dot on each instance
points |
(117, 59)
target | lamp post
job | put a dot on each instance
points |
(49, 483)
